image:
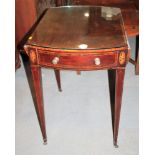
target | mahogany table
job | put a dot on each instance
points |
(80, 38)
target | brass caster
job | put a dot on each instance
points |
(60, 90)
(45, 142)
(115, 145)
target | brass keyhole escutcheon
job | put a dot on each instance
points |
(122, 58)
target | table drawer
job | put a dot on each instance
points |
(78, 61)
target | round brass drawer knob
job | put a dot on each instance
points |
(55, 60)
(97, 61)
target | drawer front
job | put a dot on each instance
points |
(77, 61)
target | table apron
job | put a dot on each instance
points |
(79, 61)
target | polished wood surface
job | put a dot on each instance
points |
(80, 60)
(26, 14)
(116, 79)
(45, 50)
(24, 19)
(61, 28)
(131, 22)
(130, 13)
(101, 2)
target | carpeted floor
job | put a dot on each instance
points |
(78, 120)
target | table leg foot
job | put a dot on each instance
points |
(116, 145)
(45, 142)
